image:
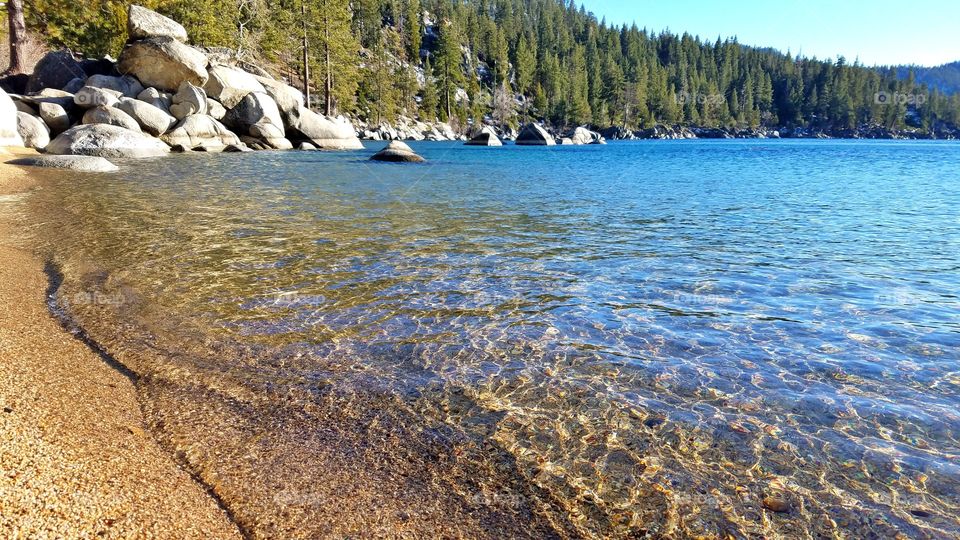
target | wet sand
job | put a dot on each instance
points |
(75, 457)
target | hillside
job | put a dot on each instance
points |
(499, 61)
(945, 78)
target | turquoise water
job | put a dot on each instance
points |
(670, 338)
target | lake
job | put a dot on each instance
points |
(741, 338)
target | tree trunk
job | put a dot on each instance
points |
(306, 55)
(328, 85)
(18, 36)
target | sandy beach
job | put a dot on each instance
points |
(75, 459)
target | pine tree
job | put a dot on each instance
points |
(430, 99)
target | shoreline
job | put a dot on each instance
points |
(76, 454)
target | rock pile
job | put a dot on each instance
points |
(161, 93)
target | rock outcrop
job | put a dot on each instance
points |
(397, 152)
(106, 141)
(163, 63)
(534, 135)
(143, 23)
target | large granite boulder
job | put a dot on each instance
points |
(151, 119)
(33, 131)
(256, 108)
(534, 135)
(55, 116)
(128, 86)
(486, 137)
(289, 99)
(143, 23)
(163, 63)
(73, 163)
(54, 70)
(582, 135)
(200, 130)
(323, 132)
(398, 152)
(110, 116)
(106, 141)
(9, 131)
(160, 100)
(89, 97)
(229, 85)
(188, 100)
(215, 109)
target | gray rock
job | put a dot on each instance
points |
(126, 85)
(163, 63)
(567, 141)
(151, 119)
(399, 152)
(236, 148)
(73, 163)
(54, 116)
(289, 99)
(200, 130)
(160, 100)
(215, 109)
(75, 85)
(486, 137)
(33, 131)
(306, 146)
(90, 96)
(255, 109)
(54, 70)
(326, 133)
(106, 141)
(9, 131)
(582, 135)
(229, 85)
(23, 106)
(188, 100)
(143, 23)
(534, 135)
(110, 116)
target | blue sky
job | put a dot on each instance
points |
(879, 32)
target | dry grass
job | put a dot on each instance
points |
(34, 50)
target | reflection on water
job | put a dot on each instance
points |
(677, 338)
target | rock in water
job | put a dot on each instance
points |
(228, 85)
(74, 163)
(143, 23)
(110, 116)
(582, 135)
(55, 70)
(486, 137)
(106, 141)
(9, 131)
(257, 115)
(534, 135)
(33, 131)
(399, 152)
(151, 119)
(200, 130)
(163, 63)
(323, 132)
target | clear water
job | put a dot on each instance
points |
(662, 338)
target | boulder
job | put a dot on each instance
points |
(75, 85)
(110, 116)
(9, 130)
(54, 116)
(33, 131)
(582, 135)
(200, 130)
(289, 99)
(486, 137)
(54, 70)
(126, 85)
(229, 85)
(567, 141)
(215, 109)
(23, 106)
(90, 96)
(143, 23)
(534, 135)
(256, 108)
(188, 100)
(106, 141)
(73, 163)
(158, 99)
(399, 152)
(163, 63)
(151, 119)
(306, 146)
(323, 132)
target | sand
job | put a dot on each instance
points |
(75, 457)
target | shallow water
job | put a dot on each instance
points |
(671, 338)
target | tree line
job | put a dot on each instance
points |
(512, 60)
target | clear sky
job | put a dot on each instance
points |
(879, 32)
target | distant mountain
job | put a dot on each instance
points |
(946, 78)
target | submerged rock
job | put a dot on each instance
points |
(397, 151)
(534, 135)
(106, 141)
(73, 163)
(486, 137)
(163, 63)
(143, 23)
